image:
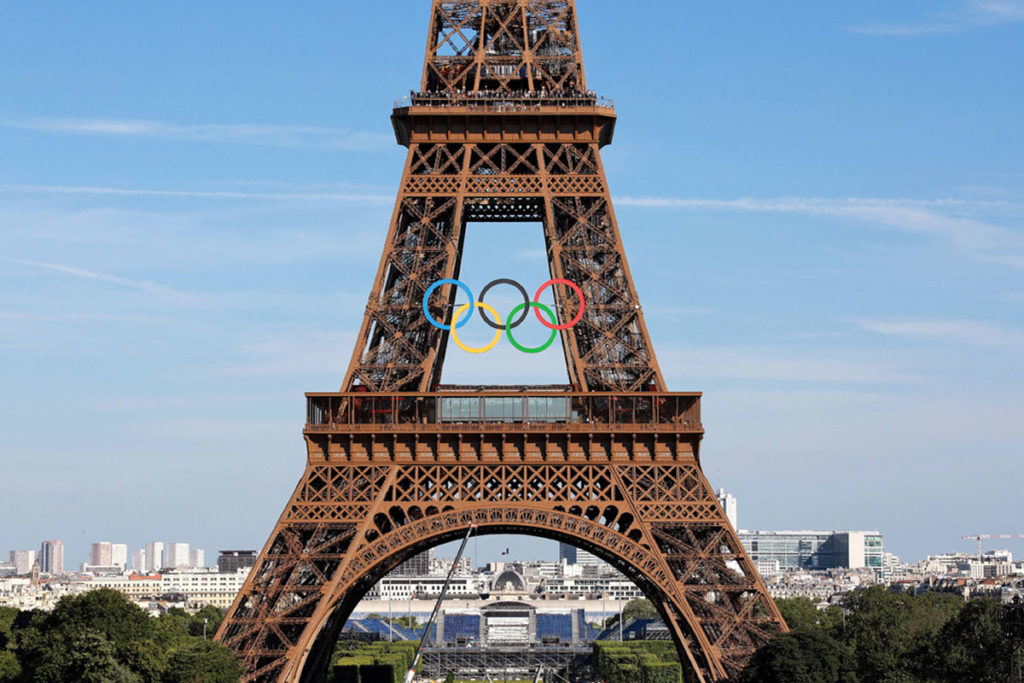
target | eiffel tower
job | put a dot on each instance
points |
(503, 129)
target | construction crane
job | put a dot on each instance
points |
(980, 537)
(437, 605)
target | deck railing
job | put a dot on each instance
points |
(646, 411)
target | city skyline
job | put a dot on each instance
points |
(107, 554)
(190, 222)
(499, 547)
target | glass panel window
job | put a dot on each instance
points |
(460, 409)
(547, 409)
(503, 409)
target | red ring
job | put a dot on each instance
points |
(575, 288)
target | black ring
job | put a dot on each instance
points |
(522, 316)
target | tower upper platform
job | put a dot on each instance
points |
(508, 69)
(503, 46)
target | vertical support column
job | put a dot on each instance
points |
(610, 349)
(397, 348)
(365, 327)
(655, 378)
(434, 361)
(574, 368)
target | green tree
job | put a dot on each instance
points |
(450, 678)
(799, 613)
(101, 636)
(409, 622)
(802, 656)
(802, 613)
(640, 609)
(77, 654)
(10, 669)
(887, 632)
(102, 611)
(203, 661)
(7, 617)
(146, 658)
(971, 646)
(211, 615)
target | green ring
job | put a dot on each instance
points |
(535, 349)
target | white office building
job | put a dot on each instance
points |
(119, 555)
(139, 560)
(393, 587)
(205, 587)
(728, 503)
(176, 555)
(608, 587)
(23, 560)
(154, 556)
(199, 588)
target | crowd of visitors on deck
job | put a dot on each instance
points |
(510, 100)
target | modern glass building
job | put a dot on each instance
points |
(815, 549)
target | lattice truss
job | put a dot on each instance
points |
(503, 46)
(348, 523)
(560, 185)
(659, 524)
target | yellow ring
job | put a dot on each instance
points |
(455, 335)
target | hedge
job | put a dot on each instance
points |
(662, 672)
(378, 662)
(643, 661)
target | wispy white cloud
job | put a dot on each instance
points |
(750, 363)
(75, 315)
(970, 332)
(309, 353)
(353, 197)
(142, 285)
(968, 14)
(944, 219)
(319, 137)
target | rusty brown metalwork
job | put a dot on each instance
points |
(503, 129)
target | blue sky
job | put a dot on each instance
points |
(822, 203)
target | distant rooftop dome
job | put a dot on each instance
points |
(509, 578)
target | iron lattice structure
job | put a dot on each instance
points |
(502, 129)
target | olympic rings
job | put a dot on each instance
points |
(526, 300)
(575, 288)
(534, 349)
(430, 290)
(455, 335)
(512, 321)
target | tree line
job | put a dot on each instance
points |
(102, 637)
(872, 636)
(877, 636)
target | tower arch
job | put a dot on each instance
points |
(631, 558)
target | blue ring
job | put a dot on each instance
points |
(430, 290)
